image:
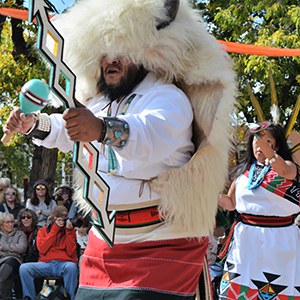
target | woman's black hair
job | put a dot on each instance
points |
(34, 200)
(281, 144)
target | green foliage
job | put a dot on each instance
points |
(265, 23)
(15, 159)
(64, 165)
(268, 23)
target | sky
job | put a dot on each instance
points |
(60, 5)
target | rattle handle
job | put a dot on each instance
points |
(6, 137)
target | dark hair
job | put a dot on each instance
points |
(281, 144)
(27, 211)
(64, 189)
(86, 221)
(34, 200)
(40, 182)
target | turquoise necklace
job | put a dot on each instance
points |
(257, 175)
(112, 159)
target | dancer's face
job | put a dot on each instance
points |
(118, 77)
(114, 70)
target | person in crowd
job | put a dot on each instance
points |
(263, 255)
(63, 196)
(13, 244)
(57, 248)
(82, 234)
(12, 202)
(4, 184)
(41, 202)
(27, 222)
(147, 73)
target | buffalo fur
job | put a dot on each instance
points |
(183, 53)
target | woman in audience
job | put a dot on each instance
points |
(27, 222)
(12, 202)
(4, 184)
(13, 244)
(41, 202)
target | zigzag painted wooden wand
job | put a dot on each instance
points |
(85, 155)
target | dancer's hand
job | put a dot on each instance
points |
(82, 125)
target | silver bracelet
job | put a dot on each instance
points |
(115, 132)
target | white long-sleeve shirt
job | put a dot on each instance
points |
(160, 120)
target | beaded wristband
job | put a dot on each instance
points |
(115, 132)
(41, 128)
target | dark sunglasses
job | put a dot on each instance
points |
(40, 188)
(10, 194)
(26, 217)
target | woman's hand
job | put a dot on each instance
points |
(267, 145)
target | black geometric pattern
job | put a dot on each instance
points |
(226, 279)
(268, 290)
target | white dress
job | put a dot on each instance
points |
(263, 262)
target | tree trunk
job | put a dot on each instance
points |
(44, 163)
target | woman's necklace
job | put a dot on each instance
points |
(257, 175)
(112, 159)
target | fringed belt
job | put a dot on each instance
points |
(138, 217)
(254, 220)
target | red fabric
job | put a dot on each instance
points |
(258, 50)
(20, 14)
(267, 220)
(272, 221)
(14, 13)
(167, 266)
(56, 245)
(224, 250)
(138, 217)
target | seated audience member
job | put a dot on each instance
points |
(13, 244)
(63, 196)
(12, 202)
(4, 184)
(82, 234)
(57, 255)
(41, 202)
(27, 222)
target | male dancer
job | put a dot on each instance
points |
(149, 71)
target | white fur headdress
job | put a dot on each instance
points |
(182, 52)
